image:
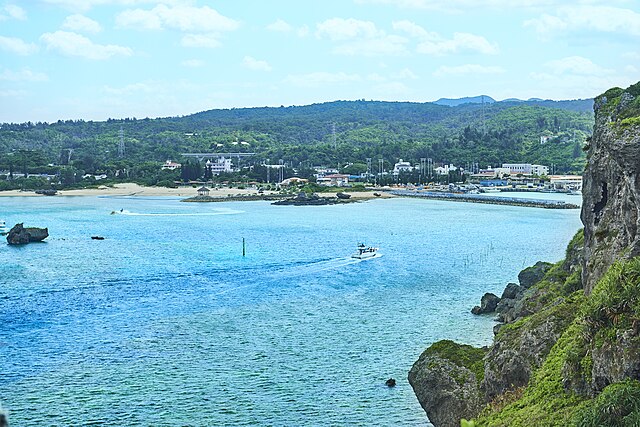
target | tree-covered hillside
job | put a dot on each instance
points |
(486, 134)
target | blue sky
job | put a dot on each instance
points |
(99, 59)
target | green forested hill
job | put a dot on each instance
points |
(486, 134)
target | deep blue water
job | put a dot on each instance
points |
(164, 323)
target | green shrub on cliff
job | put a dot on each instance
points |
(617, 406)
(460, 354)
(551, 397)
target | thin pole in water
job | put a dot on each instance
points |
(243, 248)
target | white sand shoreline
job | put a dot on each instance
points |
(135, 190)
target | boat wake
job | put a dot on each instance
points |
(221, 211)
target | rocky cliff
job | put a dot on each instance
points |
(568, 351)
(611, 190)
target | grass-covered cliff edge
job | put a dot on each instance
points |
(569, 350)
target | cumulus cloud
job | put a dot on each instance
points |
(356, 37)
(604, 19)
(344, 29)
(11, 11)
(255, 64)
(180, 17)
(457, 6)
(280, 26)
(24, 75)
(85, 5)
(577, 65)
(468, 69)
(81, 23)
(73, 44)
(16, 45)
(321, 78)
(432, 43)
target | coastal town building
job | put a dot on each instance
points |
(203, 191)
(526, 169)
(219, 165)
(169, 165)
(402, 166)
(444, 170)
(565, 182)
(335, 180)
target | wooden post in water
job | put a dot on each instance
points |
(243, 249)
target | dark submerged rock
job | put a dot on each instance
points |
(390, 382)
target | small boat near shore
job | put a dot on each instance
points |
(3, 228)
(364, 252)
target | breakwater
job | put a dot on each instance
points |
(493, 200)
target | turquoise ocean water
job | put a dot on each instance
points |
(165, 323)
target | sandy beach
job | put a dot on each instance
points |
(130, 189)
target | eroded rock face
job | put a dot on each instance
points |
(446, 390)
(532, 275)
(611, 186)
(20, 235)
(516, 354)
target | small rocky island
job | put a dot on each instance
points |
(304, 199)
(20, 235)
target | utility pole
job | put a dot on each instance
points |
(281, 171)
(121, 143)
(268, 172)
(368, 168)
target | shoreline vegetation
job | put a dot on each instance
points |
(226, 194)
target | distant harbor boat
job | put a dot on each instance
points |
(364, 252)
(3, 227)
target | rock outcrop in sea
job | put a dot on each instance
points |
(19, 235)
(567, 351)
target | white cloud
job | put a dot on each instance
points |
(392, 90)
(468, 69)
(405, 74)
(24, 75)
(192, 63)
(16, 45)
(85, 5)
(255, 64)
(201, 40)
(73, 44)
(457, 6)
(11, 11)
(321, 78)
(357, 37)
(432, 43)
(303, 31)
(280, 26)
(461, 42)
(81, 23)
(337, 29)
(577, 65)
(181, 17)
(604, 19)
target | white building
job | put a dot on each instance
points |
(444, 170)
(219, 165)
(336, 180)
(169, 165)
(401, 167)
(539, 170)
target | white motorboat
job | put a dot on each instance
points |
(3, 227)
(364, 252)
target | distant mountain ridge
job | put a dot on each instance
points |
(582, 105)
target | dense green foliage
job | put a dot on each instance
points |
(303, 137)
(612, 307)
(460, 355)
(617, 406)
